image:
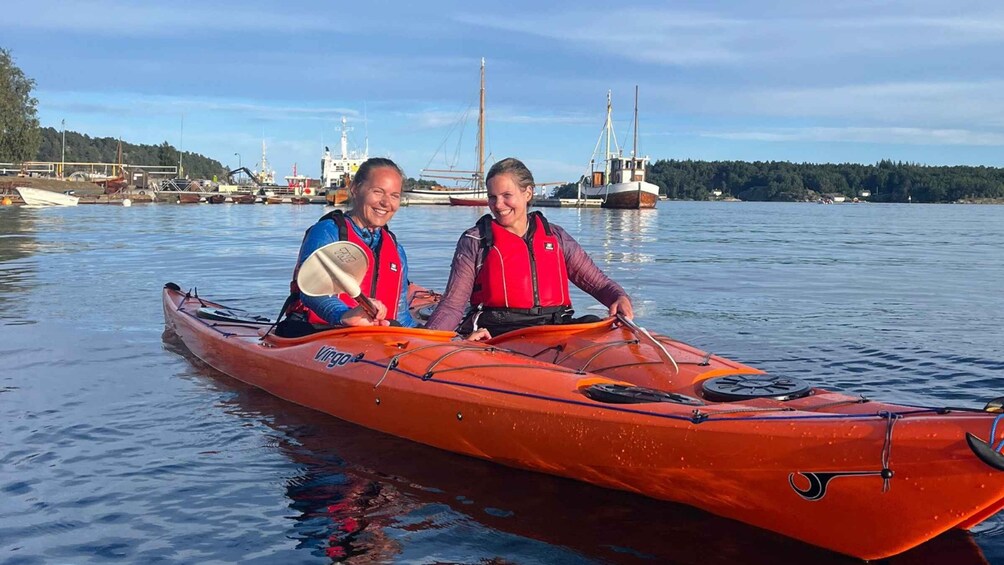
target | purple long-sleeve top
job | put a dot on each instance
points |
(582, 272)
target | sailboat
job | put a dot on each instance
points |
(621, 184)
(472, 195)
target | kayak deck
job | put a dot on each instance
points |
(595, 403)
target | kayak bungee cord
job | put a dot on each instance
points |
(604, 345)
(642, 331)
(887, 451)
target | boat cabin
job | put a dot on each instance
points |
(627, 169)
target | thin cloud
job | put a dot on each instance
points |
(145, 19)
(883, 135)
(140, 104)
(688, 39)
(435, 119)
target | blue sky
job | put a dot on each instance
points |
(851, 81)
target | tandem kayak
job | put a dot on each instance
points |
(610, 405)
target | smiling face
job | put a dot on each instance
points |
(508, 202)
(377, 199)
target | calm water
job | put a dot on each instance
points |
(115, 446)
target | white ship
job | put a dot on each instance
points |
(621, 184)
(337, 172)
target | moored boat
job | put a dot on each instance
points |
(611, 405)
(243, 198)
(474, 201)
(470, 188)
(622, 183)
(337, 172)
(41, 197)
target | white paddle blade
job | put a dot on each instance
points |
(333, 269)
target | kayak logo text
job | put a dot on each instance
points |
(332, 356)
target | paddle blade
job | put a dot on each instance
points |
(333, 269)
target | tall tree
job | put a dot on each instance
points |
(19, 135)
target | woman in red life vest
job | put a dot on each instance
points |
(513, 267)
(376, 196)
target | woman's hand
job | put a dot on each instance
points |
(479, 335)
(623, 307)
(358, 316)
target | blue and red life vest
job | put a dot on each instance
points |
(383, 279)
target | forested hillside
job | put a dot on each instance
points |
(886, 181)
(84, 148)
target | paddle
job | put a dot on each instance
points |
(642, 332)
(334, 269)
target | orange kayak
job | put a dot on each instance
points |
(597, 403)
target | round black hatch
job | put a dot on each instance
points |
(745, 387)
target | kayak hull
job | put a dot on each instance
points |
(862, 478)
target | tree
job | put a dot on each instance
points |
(19, 135)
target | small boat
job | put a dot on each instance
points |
(273, 200)
(243, 198)
(41, 197)
(189, 198)
(622, 183)
(457, 201)
(610, 404)
(337, 196)
(299, 200)
(216, 198)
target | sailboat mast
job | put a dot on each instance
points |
(479, 182)
(634, 152)
(609, 128)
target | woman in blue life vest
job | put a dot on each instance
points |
(513, 267)
(376, 196)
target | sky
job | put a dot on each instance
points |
(824, 82)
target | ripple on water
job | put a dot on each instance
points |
(114, 447)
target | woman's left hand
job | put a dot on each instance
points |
(479, 335)
(623, 307)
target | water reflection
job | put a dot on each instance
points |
(17, 269)
(624, 236)
(368, 497)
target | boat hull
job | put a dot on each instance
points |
(442, 197)
(40, 197)
(625, 195)
(809, 469)
(473, 201)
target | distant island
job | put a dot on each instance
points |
(781, 181)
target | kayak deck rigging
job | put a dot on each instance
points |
(611, 412)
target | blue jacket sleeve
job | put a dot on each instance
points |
(330, 308)
(403, 314)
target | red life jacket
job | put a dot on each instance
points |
(522, 275)
(383, 279)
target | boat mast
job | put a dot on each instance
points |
(345, 139)
(634, 151)
(608, 127)
(479, 182)
(635, 176)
